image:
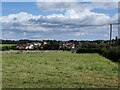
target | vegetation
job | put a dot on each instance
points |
(110, 51)
(7, 45)
(58, 70)
(4, 47)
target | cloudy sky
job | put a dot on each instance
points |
(58, 20)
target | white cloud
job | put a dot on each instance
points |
(114, 19)
(35, 28)
(62, 6)
(39, 22)
(104, 5)
(71, 22)
(80, 33)
(78, 13)
(17, 18)
(56, 5)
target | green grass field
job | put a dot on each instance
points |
(2, 45)
(58, 70)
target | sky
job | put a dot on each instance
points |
(58, 20)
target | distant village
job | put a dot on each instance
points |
(56, 45)
(49, 45)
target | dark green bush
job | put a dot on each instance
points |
(89, 50)
(111, 53)
(5, 48)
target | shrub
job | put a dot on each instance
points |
(5, 48)
(89, 50)
(111, 53)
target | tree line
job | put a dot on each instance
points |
(103, 47)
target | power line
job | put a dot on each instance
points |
(75, 25)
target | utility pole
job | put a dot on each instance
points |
(110, 34)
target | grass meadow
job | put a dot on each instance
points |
(58, 70)
(8, 45)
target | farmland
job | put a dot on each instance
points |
(8, 45)
(58, 70)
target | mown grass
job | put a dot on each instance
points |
(3, 45)
(58, 70)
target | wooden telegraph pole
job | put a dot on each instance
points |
(110, 34)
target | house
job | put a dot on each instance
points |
(44, 43)
(21, 46)
(63, 45)
(25, 46)
(32, 45)
(69, 45)
(37, 44)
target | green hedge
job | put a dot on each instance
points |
(5, 48)
(89, 50)
(111, 53)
